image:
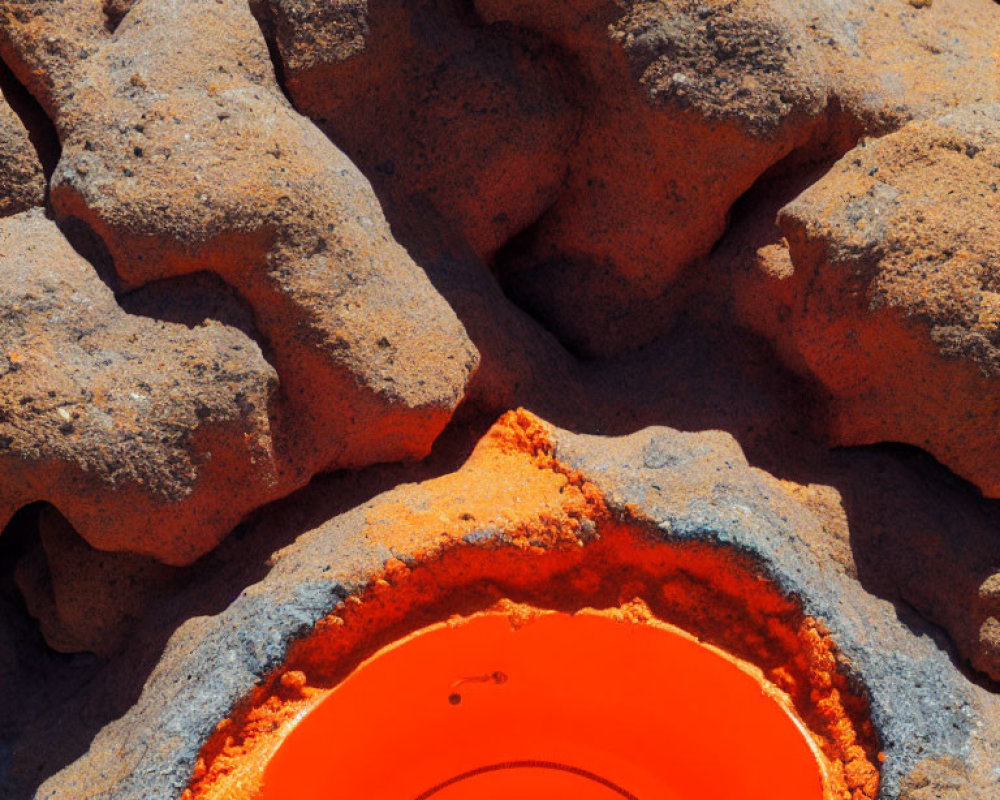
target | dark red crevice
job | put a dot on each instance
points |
(41, 131)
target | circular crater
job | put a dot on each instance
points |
(553, 705)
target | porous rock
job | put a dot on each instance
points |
(440, 111)
(130, 426)
(87, 600)
(686, 105)
(886, 289)
(181, 156)
(464, 131)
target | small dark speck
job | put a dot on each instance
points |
(455, 698)
(872, 171)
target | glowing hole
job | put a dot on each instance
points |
(562, 707)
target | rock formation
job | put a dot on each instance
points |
(885, 287)
(269, 206)
(271, 271)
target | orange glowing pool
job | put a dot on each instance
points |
(561, 707)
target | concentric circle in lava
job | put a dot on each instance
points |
(575, 706)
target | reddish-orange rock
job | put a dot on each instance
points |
(149, 436)
(463, 129)
(886, 289)
(182, 155)
(686, 105)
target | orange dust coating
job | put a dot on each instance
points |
(558, 548)
(511, 482)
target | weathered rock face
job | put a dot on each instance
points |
(919, 534)
(886, 288)
(87, 600)
(136, 429)
(464, 130)
(442, 112)
(686, 104)
(181, 154)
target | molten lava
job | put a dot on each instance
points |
(560, 706)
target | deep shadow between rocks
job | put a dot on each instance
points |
(192, 300)
(90, 247)
(33, 677)
(922, 536)
(41, 131)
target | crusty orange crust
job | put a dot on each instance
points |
(563, 550)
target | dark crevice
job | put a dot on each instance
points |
(919, 534)
(34, 679)
(836, 133)
(114, 12)
(263, 12)
(16, 539)
(466, 12)
(41, 131)
(90, 247)
(833, 134)
(508, 261)
(192, 300)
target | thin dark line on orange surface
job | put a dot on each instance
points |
(505, 765)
